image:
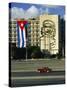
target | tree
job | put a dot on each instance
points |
(34, 52)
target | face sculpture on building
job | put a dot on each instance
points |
(48, 30)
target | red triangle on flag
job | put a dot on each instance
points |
(21, 24)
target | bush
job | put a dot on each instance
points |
(36, 54)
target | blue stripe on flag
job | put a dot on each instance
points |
(22, 39)
(18, 35)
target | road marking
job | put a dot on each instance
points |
(34, 70)
(39, 77)
(24, 71)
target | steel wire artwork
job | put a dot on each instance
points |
(49, 30)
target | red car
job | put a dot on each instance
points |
(44, 69)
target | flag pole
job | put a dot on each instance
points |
(26, 50)
(26, 44)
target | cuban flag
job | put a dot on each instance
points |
(21, 33)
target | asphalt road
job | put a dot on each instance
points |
(33, 65)
(23, 74)
(19, 79)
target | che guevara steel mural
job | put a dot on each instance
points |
(49, 30)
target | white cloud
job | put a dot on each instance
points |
(46, 8)
(17, 12)
(41, 11)
(32, 12)
(21, 13)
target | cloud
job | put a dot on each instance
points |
(21, 13)
(50, 6)
(17, 13)
(41, 11)
(44, 10)
(32, 12)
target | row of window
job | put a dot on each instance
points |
(29, 40)
(12, 29)
(34, 44)
(34, 32)
(29, 22)
(33, 22)
(35, 41)
(12, 32)
(12, 22)
(29, 35)
(34, 35)
(12, 36)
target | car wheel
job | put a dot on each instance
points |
(47, 71)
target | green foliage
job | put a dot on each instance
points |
(33, 48)
(34, 52)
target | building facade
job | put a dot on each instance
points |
(49, 26)
(12, 32)
(42, 31)
(33, 32)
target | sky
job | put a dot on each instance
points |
(26, 10)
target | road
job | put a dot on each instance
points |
(23, 74)
(19, 79)
(54, 64)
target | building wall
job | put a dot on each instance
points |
(42, 31)
(12, 31)
(33, 32)
(49, 27)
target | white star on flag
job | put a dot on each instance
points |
(21, 24)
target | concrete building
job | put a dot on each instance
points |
(12, 32)
(42, 31)
(49, 26)
(33, 32)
